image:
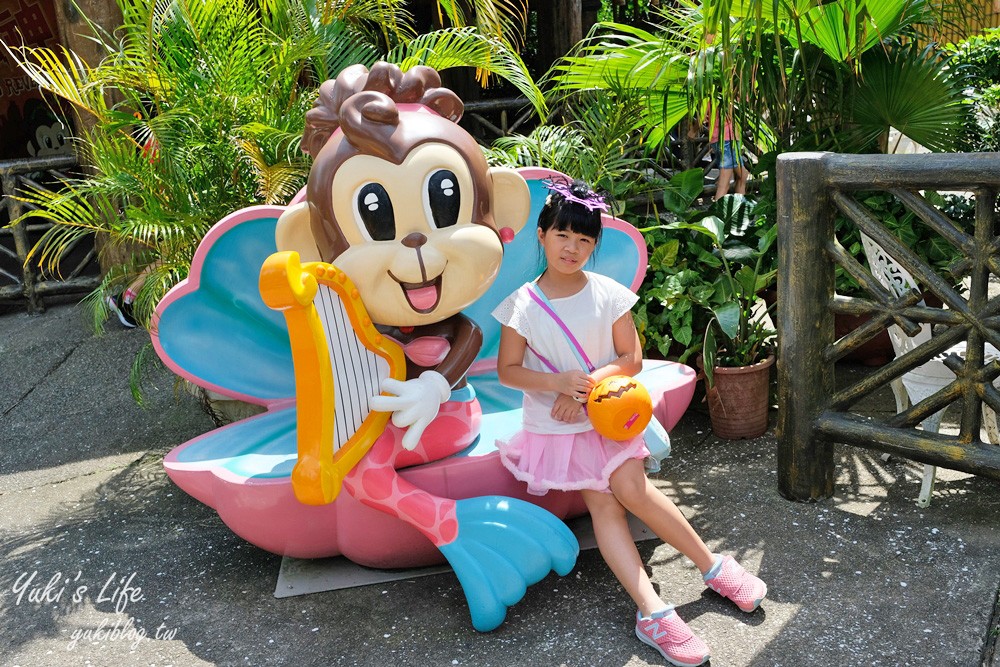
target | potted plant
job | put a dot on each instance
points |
(736, 349)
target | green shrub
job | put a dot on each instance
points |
(926, 243)
(979, 55)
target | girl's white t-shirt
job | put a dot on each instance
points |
(589, 315)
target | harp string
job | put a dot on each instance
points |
(357, 371)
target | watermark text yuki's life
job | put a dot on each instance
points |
(120, 591)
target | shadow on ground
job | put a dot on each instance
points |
(865, 578)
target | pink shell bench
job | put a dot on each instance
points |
(214, 330)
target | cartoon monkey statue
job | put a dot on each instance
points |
(403, 213)
(401, 199)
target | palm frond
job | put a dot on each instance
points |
(915, 93)
(613, 129)
(642, 58)
(548, 146)
(846, 29)
(342, 47)
(383, 23)
(276, 182)
(74, 204)
(467, 47)
(506, 20)
(644, 66)
(277, 142)
(63, 74)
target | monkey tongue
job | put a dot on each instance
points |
(422, 299)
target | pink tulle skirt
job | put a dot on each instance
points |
(567, 461)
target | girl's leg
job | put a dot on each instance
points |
(638, 495)
(615, 542)
(656, 623)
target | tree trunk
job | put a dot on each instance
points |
(560, 27)
(75, 33)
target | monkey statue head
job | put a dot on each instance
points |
(400, 197)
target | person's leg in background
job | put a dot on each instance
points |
(740, 173)
(731, 170)
(727, 161)
(123, 303)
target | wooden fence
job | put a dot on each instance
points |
(973, 19)
(813, 412)
(22, 281)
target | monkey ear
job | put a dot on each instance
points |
(294, 233)
(511, 198)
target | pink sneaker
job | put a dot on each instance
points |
(668, 634)
(733, 582)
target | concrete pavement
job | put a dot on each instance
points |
(106, 563)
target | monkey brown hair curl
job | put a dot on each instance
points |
(366, 120)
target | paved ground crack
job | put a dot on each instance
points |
(41, 381)
(989, 655)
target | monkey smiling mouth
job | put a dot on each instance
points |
(422, 297)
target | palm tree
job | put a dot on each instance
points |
(599, 141)
(799, 75)
(198, 110)
(794, 71)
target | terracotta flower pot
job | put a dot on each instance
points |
(876, 351)
(739, 399)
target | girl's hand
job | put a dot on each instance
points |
(566, 409)
(574, 384)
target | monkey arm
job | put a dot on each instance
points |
(415, 403)
(466, 341)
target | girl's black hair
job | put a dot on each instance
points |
(561, 213)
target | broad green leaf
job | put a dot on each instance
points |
(768, 239)
(683, 334)
(715, 227)
(738, 252)
(728, 317)
(665, 255)
(684, 187)
(746, 278)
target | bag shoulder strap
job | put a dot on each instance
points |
(539, 297)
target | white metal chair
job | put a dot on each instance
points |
(925, 380)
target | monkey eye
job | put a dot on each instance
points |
(374, 208)
(444, 198)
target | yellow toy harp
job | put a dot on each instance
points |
(340, 360)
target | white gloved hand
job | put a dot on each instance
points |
(415, 404)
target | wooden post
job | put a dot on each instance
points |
(805, 290)
(76, 34)
(560, 26)
(22, 246)
(588, 14)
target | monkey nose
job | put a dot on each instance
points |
(414, 240)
